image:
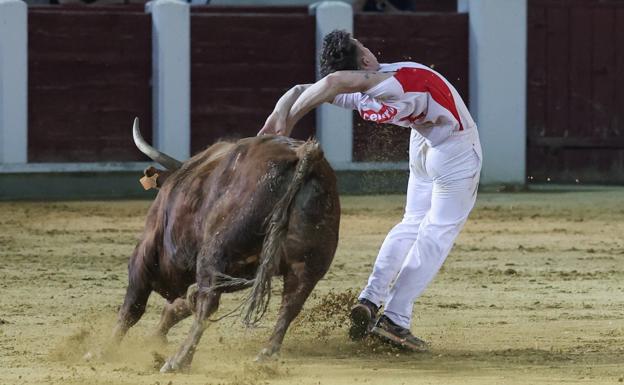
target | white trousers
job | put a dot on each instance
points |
(441, 191)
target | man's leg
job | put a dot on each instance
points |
(397, 243)
(453, 196)
(399, 240)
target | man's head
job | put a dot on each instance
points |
(342, 52)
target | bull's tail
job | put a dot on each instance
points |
(257, 301)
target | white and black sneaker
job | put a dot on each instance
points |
(397, 335)
(362, 317)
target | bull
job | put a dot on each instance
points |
(230, 218)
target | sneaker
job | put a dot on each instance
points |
(362, 318)
(398, 335)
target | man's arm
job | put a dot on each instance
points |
(326, 89)
(276, 122)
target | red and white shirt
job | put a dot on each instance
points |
(416, 97)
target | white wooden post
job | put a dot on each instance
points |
(498, 65)
(334, 125)
(13, 82)
(171, 86)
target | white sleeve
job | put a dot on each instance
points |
(349, 101)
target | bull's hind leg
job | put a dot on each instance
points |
(316, 212)
(172, 313)
(298, 284)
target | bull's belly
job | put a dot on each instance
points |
(243, 267)
(174, 285)
(173, 281)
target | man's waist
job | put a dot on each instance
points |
(466, 131)
(434, 138)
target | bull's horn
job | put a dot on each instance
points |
(157, 156)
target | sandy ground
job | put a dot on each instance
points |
(532, 293)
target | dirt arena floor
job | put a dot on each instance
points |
(532, 293)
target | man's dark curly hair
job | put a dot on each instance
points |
(339, 53)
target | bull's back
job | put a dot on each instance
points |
(227, 187)
(224, 197)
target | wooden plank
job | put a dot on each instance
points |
(557, 61)
(569, 165)
(580, 73)
(617, 124)
(251, 75)
(250, 38)
(536, 69)
(237, 112)
(574, 3)
(230, 126)
(89, 8)
(239, 9)
(86, 85)
(603, 71)
(415, 6)
(435, 5)
(236, 100)
(605, 166)
(577, 142)
(65, 32)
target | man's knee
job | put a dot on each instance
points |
(437, 239)
(408, 225)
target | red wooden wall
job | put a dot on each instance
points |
(88, 76)
(439, 40)
(575, 94)
(240, 66)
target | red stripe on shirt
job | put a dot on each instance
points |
(422, 80)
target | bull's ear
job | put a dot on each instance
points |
(149, 171)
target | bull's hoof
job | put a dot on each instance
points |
(174, 366)
(169, 367)
(266, 355)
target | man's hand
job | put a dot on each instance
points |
(275, 125)
(277, 122)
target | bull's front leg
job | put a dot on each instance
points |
(207, 304)
(131, 311)
(297, 288)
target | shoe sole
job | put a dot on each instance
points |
(398, 341)
(361, 318)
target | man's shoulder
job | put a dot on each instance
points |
(393, 67)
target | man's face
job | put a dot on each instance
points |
(366, 59)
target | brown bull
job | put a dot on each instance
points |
(229, 218)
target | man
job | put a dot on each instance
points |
(444, 161)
